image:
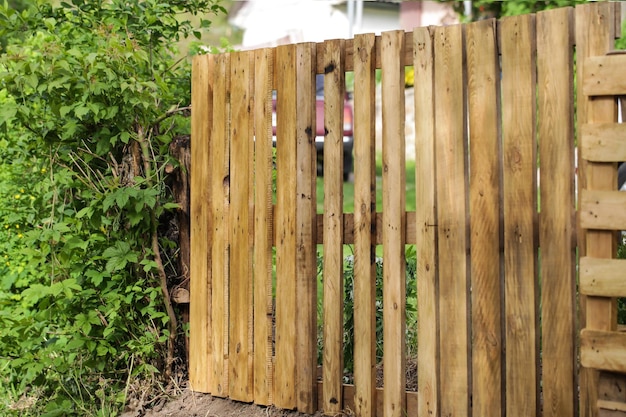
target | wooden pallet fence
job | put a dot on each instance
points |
(494, 225)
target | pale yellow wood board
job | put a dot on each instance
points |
(603, 142)
(604, 75)
(603, 277)
(603, 350)
(601, 209)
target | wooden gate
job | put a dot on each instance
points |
(496, 248)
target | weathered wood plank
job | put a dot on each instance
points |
(604, 75)
(603, 210)
(263, 226)
(425, 224)
(240, 232)
(602, 277)
(220, 195)
(394, 220)
(286, 302)
(306, 257)
(483, 99)
(334, 88)
(520, 186)
(603, 350)
(556, 156)
(364, 223)
(200, 272)
(603, 142)
(451, 169)
(595, 29)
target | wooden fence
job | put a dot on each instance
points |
(496, 275)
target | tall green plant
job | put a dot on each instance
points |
(91, 96)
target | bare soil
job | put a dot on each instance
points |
(193, 404)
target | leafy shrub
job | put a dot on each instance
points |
(91, 95)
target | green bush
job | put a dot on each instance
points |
(91, 95)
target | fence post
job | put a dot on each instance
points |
(595, 29)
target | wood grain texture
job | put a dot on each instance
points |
(451, 219)
(602, 277)
(604, 75)
(286, 302)
(556, 156)
(220, 202)
(603, 210)
(200, 272)
(484, 199)
(364, 224)
(425, 224)
(306, 255)
(240, 237)
(520, 185)
(603, 142)
(595, 29)
(263, 227)
(334, 88)
(394, 219)
(603, 350)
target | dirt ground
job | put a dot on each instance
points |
(190, 404)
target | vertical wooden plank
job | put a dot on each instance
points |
(220, 194)
(451, 214)
(306, 227)
(285, 367)
(364, 226)
(263, 303)
(200, 285)
(426, 225)
(394, 222)
(483, 74)
(240, 281)
(594, 36)
(555, 79)
(334, 87)
(520, 184)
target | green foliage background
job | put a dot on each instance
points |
(91, 95)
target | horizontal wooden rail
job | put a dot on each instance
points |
(603, 350)
(604, 75)
(603, 142)
(602, 277)
(602, 210)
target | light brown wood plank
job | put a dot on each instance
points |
(425, 224)
(306, 257)
(556, 156)
(286, 302)
(220, 195)
(394, 220)
(612, 405)
(200, 272)
(603, 142)
(483, 98)
(594, 36)
(334, 88)
(604, 75)
(240, 238)
(364, 223)
(520, 185)
(603, 350)
(451, 219)
(602, 277)
(603, 209)
(263, 227)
